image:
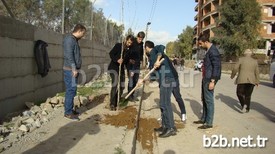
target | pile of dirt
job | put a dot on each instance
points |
(145, 135)
(125, 117)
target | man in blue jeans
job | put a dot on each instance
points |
(72, 63)
(167, 82)
(211, 73)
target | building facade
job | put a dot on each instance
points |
(207, 12)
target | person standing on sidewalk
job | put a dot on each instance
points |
(118, 59)
(167, 81)
(133, 64)
(72, 64)
(211, 74)
(248, 77)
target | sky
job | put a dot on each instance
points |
(168, 17)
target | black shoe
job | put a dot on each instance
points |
(205, 127)
(198, 122)
(160, 129)
(168, 132)
(76, 113)
(112, 108)
(72, 117)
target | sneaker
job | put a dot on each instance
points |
(72, 117)
(244, 109)
(183, 117)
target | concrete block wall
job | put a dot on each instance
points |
(19, 81)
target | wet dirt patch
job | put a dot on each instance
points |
(125, 117)
(145, 135)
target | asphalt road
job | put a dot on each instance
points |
(233, 131)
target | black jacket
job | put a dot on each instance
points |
(136, 54)
(115, 55)
(41, 57)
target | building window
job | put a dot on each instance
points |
(273, 28)
(273, 11)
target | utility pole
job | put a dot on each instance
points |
(92, 17)
(63, 15)
(144, 54)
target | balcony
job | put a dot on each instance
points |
(208, 27)
(196, 17)
(196, 7)
(209, 14)
(206, 4)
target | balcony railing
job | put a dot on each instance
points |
(208, 27)
(196, 7)
(209, 14)
(196, 17)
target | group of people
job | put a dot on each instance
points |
(178, 62)
(129, 54)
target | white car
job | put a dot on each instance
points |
(272, 73)
(198, 65)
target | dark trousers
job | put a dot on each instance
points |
(244, 92)
(114, 89)
(167, 116)
(177, 95)
(132, 80)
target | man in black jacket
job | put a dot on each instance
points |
(211, 74)
(133, 64)
(117, 60)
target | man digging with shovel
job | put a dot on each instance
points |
(167, 82)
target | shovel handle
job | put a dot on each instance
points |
(151, 71)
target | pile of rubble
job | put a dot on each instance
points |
(33, 118)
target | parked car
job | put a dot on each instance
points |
(198, 65)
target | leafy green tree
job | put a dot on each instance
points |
(238, 26)
(185, 42)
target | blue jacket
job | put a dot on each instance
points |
(72, 56)
(212, 64)
(166, 69)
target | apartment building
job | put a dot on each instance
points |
(207, 13)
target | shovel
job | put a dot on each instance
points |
(124, 101)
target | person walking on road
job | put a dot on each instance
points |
(248, 77)
(72, 64)
(211, 74)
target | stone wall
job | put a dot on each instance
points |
(19, 80)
